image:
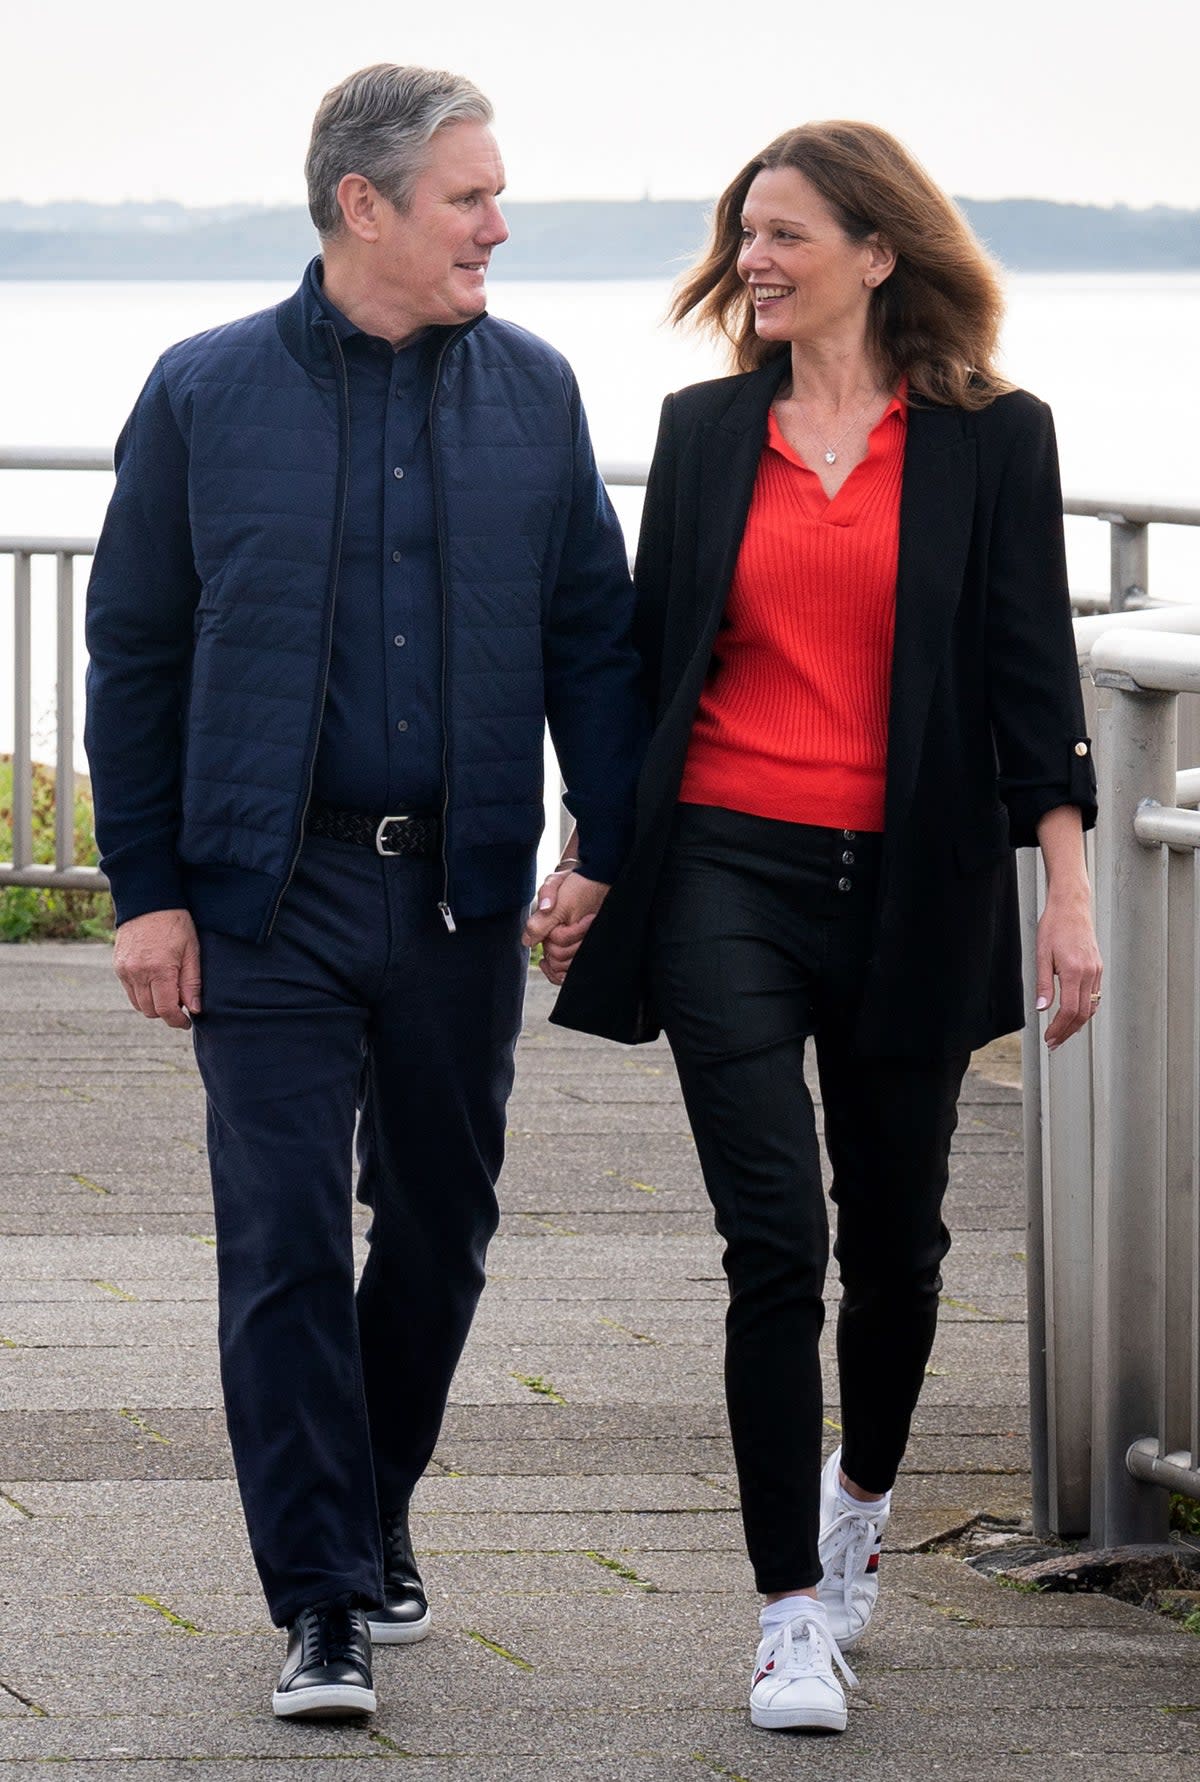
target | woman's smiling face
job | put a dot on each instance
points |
(806, 277)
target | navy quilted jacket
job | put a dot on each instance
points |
(213, 596)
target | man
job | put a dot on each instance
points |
(357, 554)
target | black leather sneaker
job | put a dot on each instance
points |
(404, 1616)
(327, 1672)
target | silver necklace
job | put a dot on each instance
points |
(831, 450)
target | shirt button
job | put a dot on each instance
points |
(398, 473)
(397, 556)
(847, 858)
(844, 884)
(1081, 748)
(399, 640)
(403, 724)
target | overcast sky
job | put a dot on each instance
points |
(613, 98)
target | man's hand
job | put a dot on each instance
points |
(157, 958)
(564, 911)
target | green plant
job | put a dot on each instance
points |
(44, 912)
(1185, 1513)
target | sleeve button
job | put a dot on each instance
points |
(1081, 748)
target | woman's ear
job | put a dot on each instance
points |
(881, 260)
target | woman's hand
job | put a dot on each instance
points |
(1067, 950)
(1066, 940)
(563, 911)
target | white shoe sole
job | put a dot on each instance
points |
(325, 1701)
(800, 1720)
(399, 1633)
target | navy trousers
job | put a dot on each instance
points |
(360, 1007)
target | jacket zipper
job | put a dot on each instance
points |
(447, 914)
(344, 475)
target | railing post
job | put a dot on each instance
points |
(22, 785)
(1129, 562)
(1041, 1436)
(1057, 1096)
(64, 772)
(1137, 747)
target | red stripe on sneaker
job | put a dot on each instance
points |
(873, 1563)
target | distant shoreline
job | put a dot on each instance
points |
(580, 240)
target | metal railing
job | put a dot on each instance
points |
(1111, 1120)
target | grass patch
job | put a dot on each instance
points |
(43, 912)
(543, 1388)
(139, 1423)
(179, 1622)
(622, 1571)
(494, 1646)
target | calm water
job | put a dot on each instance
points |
(1115, 354)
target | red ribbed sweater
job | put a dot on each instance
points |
(793, 720)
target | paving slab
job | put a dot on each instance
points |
(593, 1607)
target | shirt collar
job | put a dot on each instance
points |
(345, 329)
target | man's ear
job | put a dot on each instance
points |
(359, 202)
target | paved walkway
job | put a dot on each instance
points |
(593, 1608)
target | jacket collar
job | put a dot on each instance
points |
(307, 329)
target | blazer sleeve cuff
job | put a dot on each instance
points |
(604, 844)
(1029, 800)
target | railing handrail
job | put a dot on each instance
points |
(631, 474)
(1148, 661)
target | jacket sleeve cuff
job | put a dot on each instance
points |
(1028, 801)
(604, 844)
(142, 878)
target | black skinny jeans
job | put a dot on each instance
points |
(762, 932)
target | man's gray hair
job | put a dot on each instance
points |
(379, 122)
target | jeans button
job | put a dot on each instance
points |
(849, 834)
(847, 858)
(844, 884)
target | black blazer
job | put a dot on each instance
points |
(985, 728)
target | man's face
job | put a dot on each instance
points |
(435, 253)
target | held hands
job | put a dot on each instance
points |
(563, 911)
(157, 958)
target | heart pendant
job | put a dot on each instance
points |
(831, 457)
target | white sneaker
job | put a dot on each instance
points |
(794, 1681)
(849, 1546)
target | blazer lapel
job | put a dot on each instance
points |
(937, 503)
(730, 448)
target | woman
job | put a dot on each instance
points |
(854, 621)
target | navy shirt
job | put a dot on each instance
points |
(380, 747)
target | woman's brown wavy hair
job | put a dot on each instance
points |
(935, 319)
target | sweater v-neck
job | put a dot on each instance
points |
(839, 508)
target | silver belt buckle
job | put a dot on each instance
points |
(389, 853)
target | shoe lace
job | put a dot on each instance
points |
(846, 1546)
(330, 1636)
(798, 1655)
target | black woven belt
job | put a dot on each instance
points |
(409, 835)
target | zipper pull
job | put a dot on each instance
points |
(448, 918)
